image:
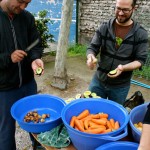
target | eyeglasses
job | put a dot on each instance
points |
(124, 10)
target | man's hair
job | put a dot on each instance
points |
(134, 3)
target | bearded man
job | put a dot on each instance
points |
(123, 46)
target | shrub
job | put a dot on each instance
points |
(42, 26)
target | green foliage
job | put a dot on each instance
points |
(144, 73)
(52, 53)
(77, 50)
(42, 26)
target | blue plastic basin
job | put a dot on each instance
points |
(86, 141)
(137, 115)
(43, 104)
(119, 146)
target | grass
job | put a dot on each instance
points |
(74, 50)
(144, 73)
(77, 50)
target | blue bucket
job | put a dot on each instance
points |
(119, 146)
(43, 104)
(86, 141)
(137, 115)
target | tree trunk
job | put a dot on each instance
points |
(60, 78)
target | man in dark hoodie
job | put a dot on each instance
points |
(17, 66)
(122, 44)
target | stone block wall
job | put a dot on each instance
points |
(93, 12)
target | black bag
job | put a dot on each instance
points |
(135, 100)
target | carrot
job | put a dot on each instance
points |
(95, 116)
(109, 126)
(83, 114)
(117, 126)
(95, 131)
(112, 122)
(104, 119)
(97, 126)
(72, 121)
(78, 125)
(103, 115)
(82, 123)
(87, 117)
(86, 124)
(107, 131)
(91, 123)
(99, 121)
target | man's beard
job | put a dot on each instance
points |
(124, 20)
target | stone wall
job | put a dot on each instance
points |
(93, 12)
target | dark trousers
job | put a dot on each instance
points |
(117, 94)
(7, 123)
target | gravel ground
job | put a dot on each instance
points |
(22, 139)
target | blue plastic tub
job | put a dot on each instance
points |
(85, 141)
(43, 104)
(137, 115)
(119, 146)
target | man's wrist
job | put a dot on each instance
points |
(121, 68)
(90, 55)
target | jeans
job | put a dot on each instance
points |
(7, 123)
(117, 94)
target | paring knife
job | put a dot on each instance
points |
(32, 45)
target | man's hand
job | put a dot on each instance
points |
(127, 67)
(91, 61)
(38, 63)
(18, 55)
(119, 70)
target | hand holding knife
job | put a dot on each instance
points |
(18, 55)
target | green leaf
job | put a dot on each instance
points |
(119, 41)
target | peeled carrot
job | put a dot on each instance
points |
(82, 123)
(86, 124)
(104, 119)
(99, 121)
(91, 123)
(103, 115)
(72, 121)
(79, 125)
(117, 126)
(107, 131)
(95, 116)
(112, 122)
(95, 131)
(76, 127)
(83, 114)
(97, 126)
(87, 117)
(109, 126)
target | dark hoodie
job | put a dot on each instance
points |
(14, 74)
(133, 47)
